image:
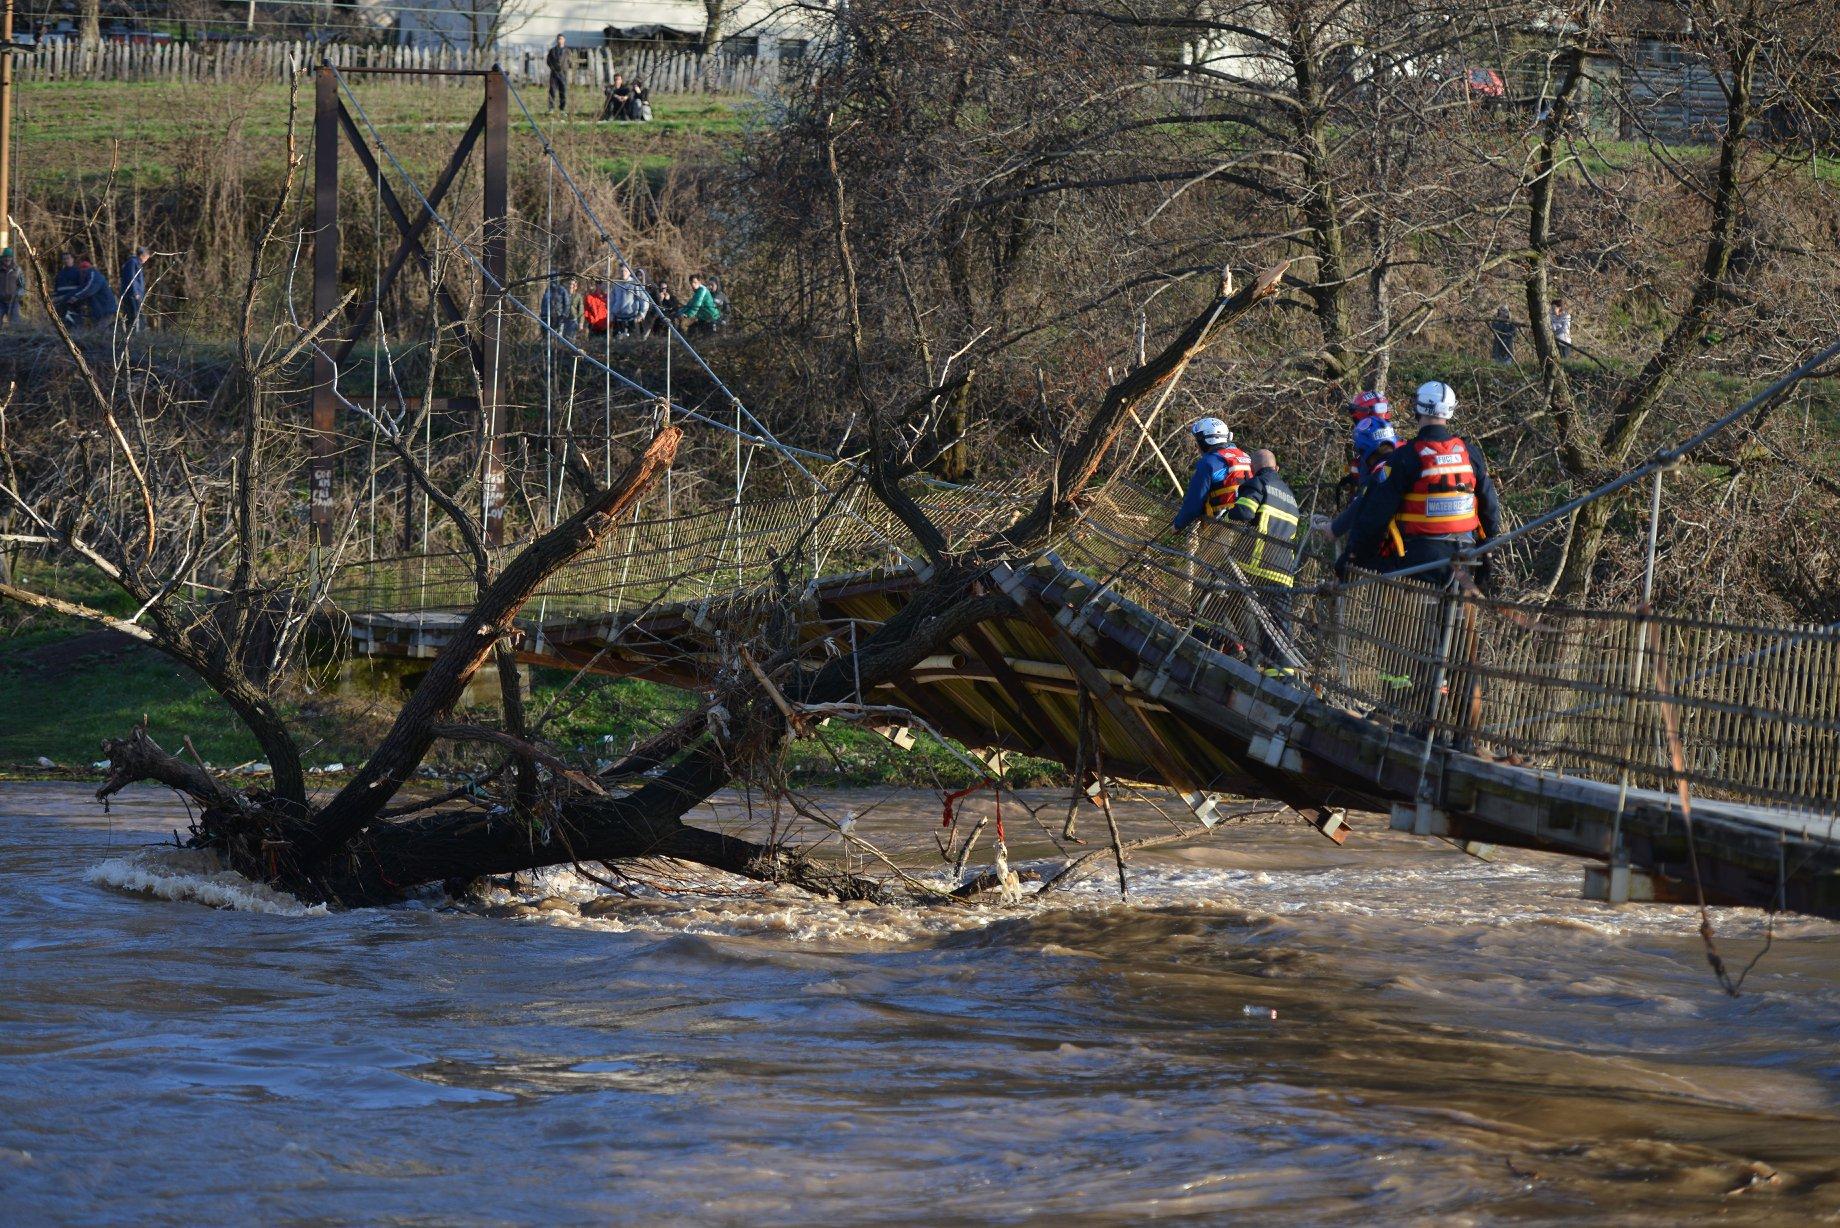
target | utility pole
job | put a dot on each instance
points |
(6, 127)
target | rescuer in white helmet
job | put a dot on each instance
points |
(1436, 500)
(1219, 470)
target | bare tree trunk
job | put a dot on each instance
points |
(1689, 333)
(715, 16)
(490, 620)
(89, 22)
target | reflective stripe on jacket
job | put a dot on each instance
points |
(1225, 487)
(1268, 505)
(1442, 501)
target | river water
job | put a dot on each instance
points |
(1453, 1041)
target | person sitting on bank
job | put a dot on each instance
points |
(617, 103)
(64, 286)
(701, 313)
(665, 304)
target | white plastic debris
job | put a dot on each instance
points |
(45, 763)
(1258, 1012)
(1009, 885)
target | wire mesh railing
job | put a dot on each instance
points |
(720, 552)
(1575, 691)
(1584, 692)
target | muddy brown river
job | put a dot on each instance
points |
(1453, 1041)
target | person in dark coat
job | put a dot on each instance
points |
(12, 285)
(1437, 496)
(557, 60)
(64, 287)
(133, 288)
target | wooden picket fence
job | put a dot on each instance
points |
(666, 70)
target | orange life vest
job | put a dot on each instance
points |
(1442, 502)
(1224, 491)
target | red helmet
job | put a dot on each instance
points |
(1370, 405)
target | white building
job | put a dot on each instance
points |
(755, 27)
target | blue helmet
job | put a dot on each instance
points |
(1370, 433)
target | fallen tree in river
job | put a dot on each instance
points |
(201, 599)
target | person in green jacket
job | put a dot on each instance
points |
(702, 311)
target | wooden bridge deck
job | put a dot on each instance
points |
(1173, 710)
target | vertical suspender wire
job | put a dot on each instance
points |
(549, 351)
(1636, 674)
(607, 385)
(742, 468)
(549, 370)
(670, 498)
(607, 371)
(568, 437)
(376, 327)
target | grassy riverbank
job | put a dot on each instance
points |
(146, 134)
(65, 687)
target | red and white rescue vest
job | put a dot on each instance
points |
(1442, 502)
(1225, 490)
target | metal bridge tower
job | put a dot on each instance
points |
(334, 126)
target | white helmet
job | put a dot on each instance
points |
(1212, 432)
(1435, 399)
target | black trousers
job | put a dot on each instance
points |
(1421, 550)
(559, 91)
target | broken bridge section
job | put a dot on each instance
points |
(1480, 722)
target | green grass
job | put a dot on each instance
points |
(63, 713)
(603, 717)
(150, 133)
(64, 689)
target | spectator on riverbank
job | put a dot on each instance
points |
(12, 286)
(560, 308)
(618, 100)
(84, 296)
(133, 288)
(1562, 327)
(626, 305)
(64, 286)
(641, 108)
(665, 300)
(1501, 338)
(557, 59)
(701, 314)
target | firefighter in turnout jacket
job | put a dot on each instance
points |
(1437, 495)
(1267, 505)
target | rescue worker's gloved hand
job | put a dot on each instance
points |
(1485, 574)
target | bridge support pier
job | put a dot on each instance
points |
(1623, 884)
(394, 678)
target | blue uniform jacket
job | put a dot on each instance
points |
(1210, 471)
(1370, 476)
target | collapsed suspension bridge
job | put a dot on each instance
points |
(1688, 759)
